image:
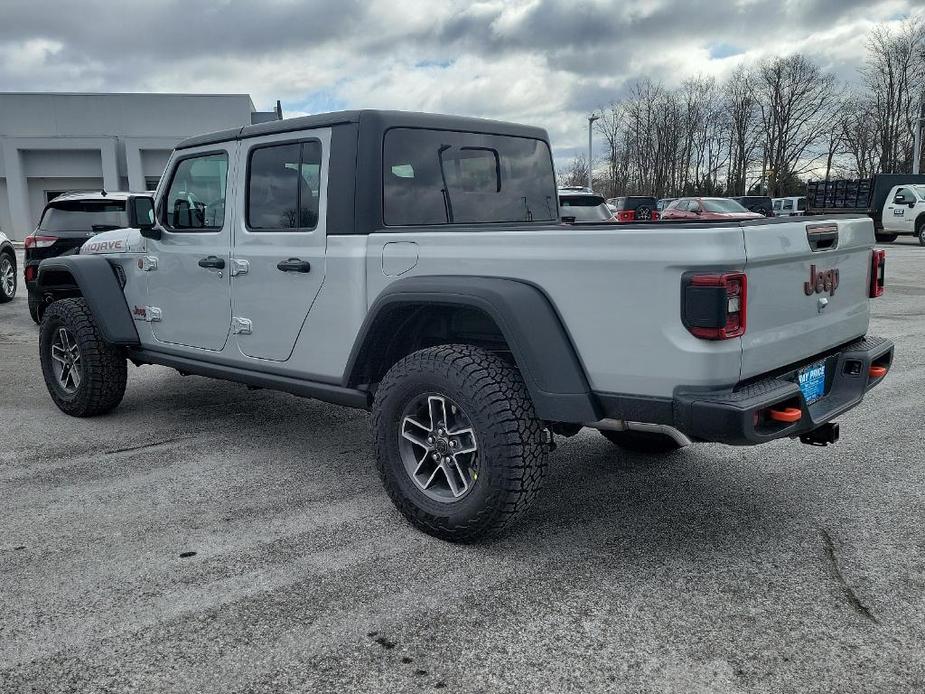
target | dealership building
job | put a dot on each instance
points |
(51, 143)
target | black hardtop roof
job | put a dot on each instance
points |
(380, 120)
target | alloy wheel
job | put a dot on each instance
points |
(438, 447)
(7, 277)
(65, 357)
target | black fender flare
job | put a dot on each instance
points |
(97, 283)
(537, 338)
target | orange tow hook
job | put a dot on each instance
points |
(786, 414)
(877, 371)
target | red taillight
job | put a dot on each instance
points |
(714, 306)
(30, 273)
(626, 215)
(655, 215)
(36, 241)
(877, 273)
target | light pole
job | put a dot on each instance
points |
(917, 152)
(591, 120)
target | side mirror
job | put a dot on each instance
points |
(899, 199)
(140, 210)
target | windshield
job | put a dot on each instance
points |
(84, 215)
(584, 208)
(721, 205)
(921, 191)
(580, 200)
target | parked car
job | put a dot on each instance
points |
(635, 208)
(793, 206)
(663, 203)
(756, 203)
(581, 205)
(8, 277)
(871, 196)
(707, 209)
(442, 293)
(66, 222)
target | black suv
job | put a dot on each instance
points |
(68, 221)
(634, 208)
(756, 203)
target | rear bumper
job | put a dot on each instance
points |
(739, 416)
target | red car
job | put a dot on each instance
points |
(715, 209)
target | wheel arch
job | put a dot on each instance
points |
(94, 279)
(508, 314)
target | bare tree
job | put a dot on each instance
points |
(859, 138)
(894, 74)
(744, 128)
(576, 174)
(795, 98)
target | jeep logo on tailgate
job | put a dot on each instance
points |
(820, 282)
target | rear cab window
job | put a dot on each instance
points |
(84, 215)
(437, 177)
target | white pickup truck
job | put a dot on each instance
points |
(896, 202)
(904, 211)
(416, 266)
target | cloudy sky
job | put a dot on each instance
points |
(544, 62)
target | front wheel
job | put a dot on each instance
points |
(920, 233)
(459, 448)
(886, 238)
(84, 374)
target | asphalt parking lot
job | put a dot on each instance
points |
(204, 537)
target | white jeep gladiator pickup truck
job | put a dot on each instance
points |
(415, 265)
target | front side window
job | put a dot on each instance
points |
(801, 204)
(196, 197)
(284, 187)
(444, 177)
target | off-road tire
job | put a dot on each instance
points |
(642, 441)
(886, 238)
(6, 295)
(512, 441)
(104, 368)
(35, 303)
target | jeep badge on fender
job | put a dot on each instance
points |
(819, 282)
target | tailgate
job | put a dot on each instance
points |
(788, 319)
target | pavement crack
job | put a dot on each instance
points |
(155, 444)
(853, 598)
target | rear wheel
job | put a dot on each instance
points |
(35, 304)
(887, 238)
(7, 277)
(84, 374)
(642, 441)
(459, 448)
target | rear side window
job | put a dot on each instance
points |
(443, 177)
(84, 215)
(284, 187)
(196, 198)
